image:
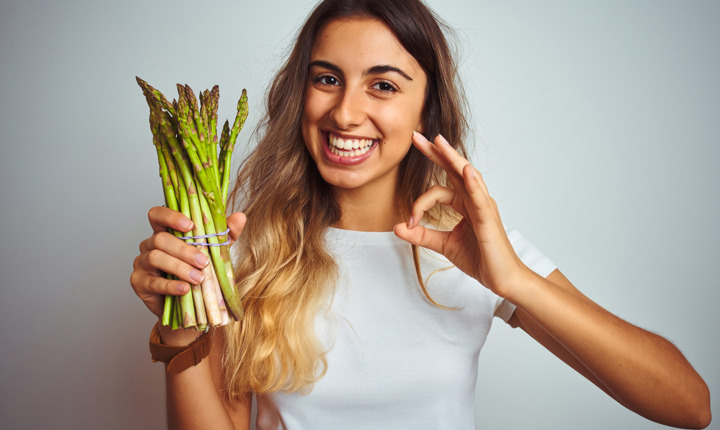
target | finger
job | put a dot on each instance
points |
(455, 163)
(449, 156)
(475, 177)
(427, 200)
(175, 247)
(164, 286)
(162, 218)
(147, 284)
(152, 290)
(155, 261)
(483, 208)
(440, 153)
(422, 236)
(236, 222)
(429, 149)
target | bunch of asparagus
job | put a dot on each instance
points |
(196, 179)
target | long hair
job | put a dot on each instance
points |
(284, 272)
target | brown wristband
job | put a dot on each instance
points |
(178, 358)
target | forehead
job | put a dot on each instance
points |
(365, 41)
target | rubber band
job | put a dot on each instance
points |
(207, 236)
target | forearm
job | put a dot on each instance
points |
(641, 370)
(194, 399)
(193, 402)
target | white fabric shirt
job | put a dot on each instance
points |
(395, 360)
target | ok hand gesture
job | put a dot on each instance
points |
(477, 245)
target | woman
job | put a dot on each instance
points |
(338, 305)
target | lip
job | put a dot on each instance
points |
(346, 161)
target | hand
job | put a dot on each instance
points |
(163, 253)
(477, 245)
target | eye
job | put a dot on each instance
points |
(385, 86)
(326, 80)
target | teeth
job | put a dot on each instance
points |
(349, 147)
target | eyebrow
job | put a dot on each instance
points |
(374, 70)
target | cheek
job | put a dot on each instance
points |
(308, 118)
(402, 120)
(313, 106)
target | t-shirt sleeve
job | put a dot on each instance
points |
(532, 258)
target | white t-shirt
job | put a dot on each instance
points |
(395, 360)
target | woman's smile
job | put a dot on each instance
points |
(348, 150)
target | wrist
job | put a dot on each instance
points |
(177, 337)
(182, 355)
(521, 285)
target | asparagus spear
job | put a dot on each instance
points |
(227, 150)
(169, 187)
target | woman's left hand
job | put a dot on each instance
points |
(624, 360)
(477, 245)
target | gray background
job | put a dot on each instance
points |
(596, 127)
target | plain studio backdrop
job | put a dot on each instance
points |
(596, 125)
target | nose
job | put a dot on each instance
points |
(349, 110)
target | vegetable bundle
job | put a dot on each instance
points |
(196, 178)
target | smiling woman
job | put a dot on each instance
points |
(347, 324)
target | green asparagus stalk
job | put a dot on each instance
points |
(227, 150)
(211, 105)
(169, 187)
(200, 308)
(224, 141)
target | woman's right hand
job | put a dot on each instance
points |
(163, 253)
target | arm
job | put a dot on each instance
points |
(195, 399)
(194, 396)
(623, 360)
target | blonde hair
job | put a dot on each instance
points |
(284, 272)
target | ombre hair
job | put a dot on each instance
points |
(284, 272)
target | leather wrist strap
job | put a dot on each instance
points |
(178, 358)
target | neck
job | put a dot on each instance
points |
(367, 211)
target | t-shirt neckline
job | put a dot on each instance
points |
(363, 237)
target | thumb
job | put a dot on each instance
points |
(422, 236)
(236, 222)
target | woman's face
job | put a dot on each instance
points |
(363, 102)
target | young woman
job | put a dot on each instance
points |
(372, 260)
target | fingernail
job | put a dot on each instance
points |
(201, 259)
(419, 136)
(197, 276)
(182, 288)
(186, 224)
(443, 140)
(410, 222)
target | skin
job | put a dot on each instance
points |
(345, 97)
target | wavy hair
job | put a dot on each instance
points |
(284, 272)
